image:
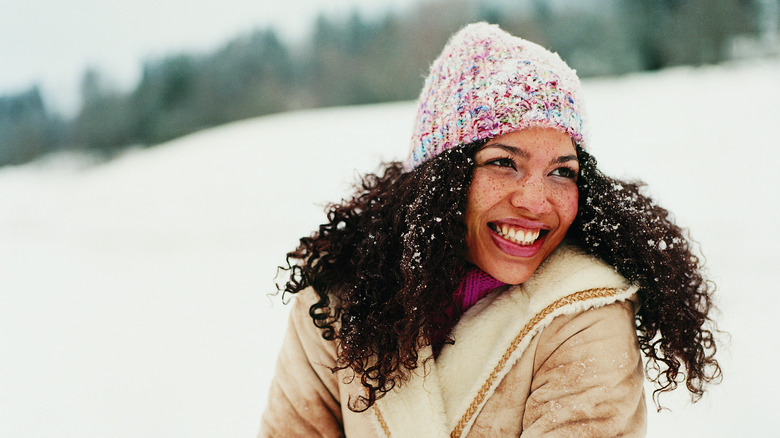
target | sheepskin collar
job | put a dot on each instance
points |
(450, 391)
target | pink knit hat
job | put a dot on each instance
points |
(486, 83)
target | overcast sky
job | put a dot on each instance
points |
(51, 42)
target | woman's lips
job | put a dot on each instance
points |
(508, 238)
(516, 235)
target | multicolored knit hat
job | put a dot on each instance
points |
(486, 83)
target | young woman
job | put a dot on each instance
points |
(494, 284)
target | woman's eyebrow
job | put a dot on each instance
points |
(564, 158)
(525, 154)
(511, 149)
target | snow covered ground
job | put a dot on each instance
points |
(133, 293)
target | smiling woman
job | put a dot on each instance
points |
(521, 202)
(494, 284)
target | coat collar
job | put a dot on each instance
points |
(450, 391)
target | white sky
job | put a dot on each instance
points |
(51, 42)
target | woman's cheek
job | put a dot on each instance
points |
(569, 206)
(483, 194)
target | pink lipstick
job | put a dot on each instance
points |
(515, 249)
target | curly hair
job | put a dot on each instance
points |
(385, 264)
(625, 228)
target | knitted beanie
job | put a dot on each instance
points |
(486, 83)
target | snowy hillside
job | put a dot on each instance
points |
(133, 293)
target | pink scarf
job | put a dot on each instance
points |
(475, 285)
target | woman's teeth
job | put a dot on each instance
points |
(517, 236)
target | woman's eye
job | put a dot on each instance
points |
(565, 172)
(502, 162)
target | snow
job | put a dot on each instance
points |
(133, 294)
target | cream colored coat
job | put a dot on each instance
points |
(556, 357)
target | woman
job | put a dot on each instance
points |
(494, 284)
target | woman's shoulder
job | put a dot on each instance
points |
(570, 286)
(568, 281)
(573, 320)
(570, 269)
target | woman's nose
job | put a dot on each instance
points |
(531, 195)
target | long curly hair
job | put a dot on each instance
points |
(385, 264)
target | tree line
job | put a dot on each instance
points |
(355, 60)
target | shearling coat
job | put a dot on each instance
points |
(556, 356)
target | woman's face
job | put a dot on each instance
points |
(522, 199)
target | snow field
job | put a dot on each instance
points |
(133, 293)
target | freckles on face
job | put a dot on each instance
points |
(521, 202)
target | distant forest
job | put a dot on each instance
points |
(355, 60)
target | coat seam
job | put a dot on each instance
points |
(381, 420)
(539, 317)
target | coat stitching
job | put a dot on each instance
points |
(569, 299)
(381, 420)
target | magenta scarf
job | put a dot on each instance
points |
(475, 285)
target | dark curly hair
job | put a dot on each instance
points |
(385, 264)
(626, 229)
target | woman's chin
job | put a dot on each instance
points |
(514, 270)
(514, 273)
